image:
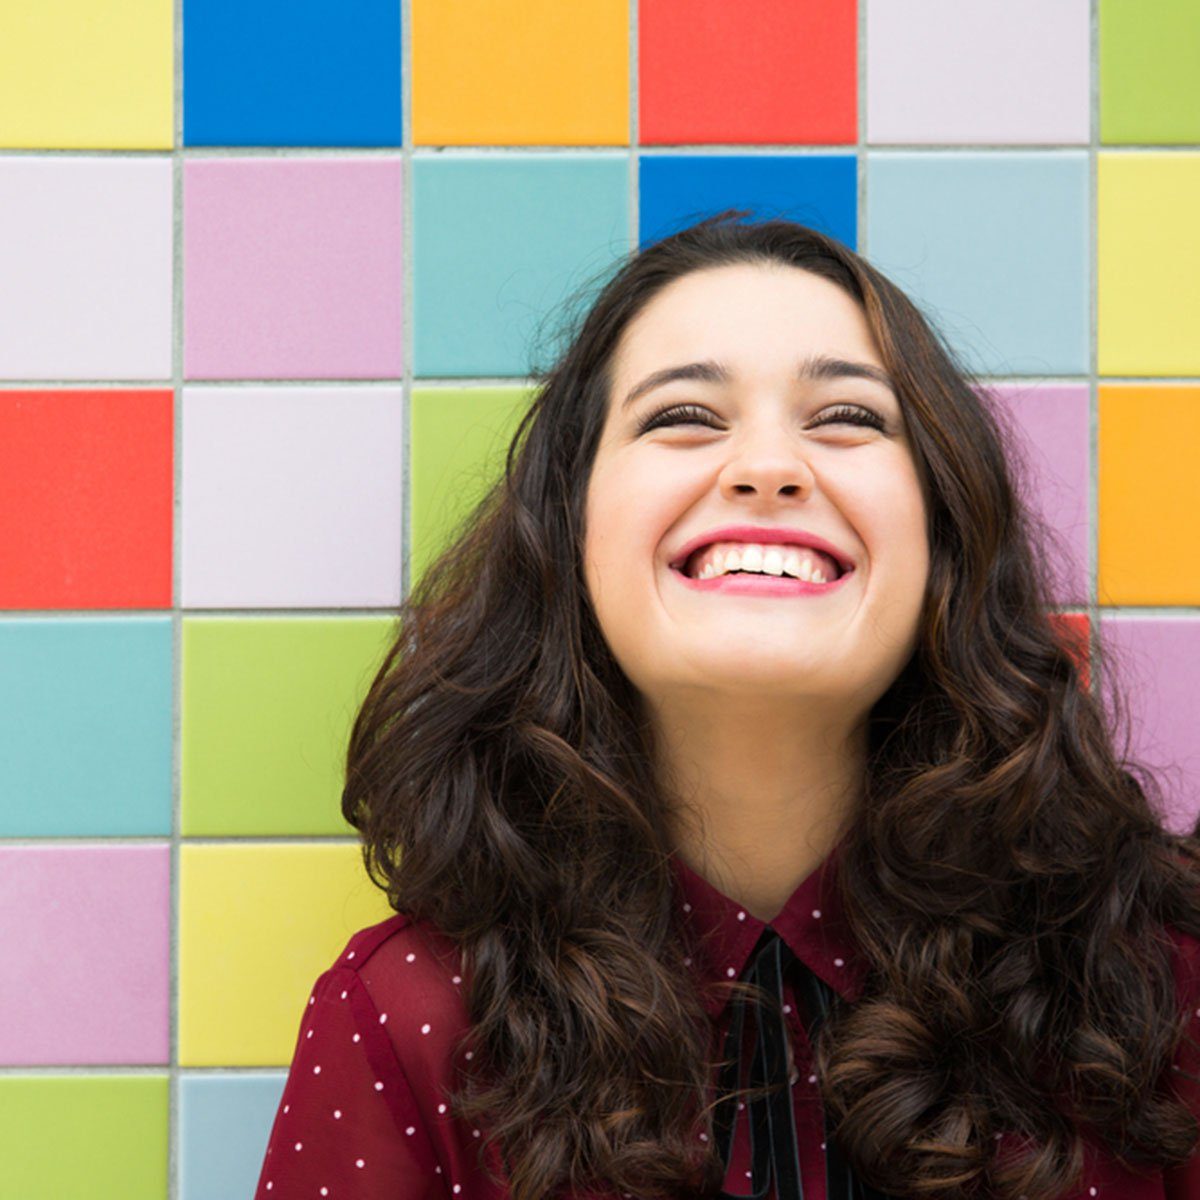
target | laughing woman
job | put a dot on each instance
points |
(749, 827)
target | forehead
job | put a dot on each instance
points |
(754, 315)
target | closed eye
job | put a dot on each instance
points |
(693, 414)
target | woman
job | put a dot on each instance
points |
(748, 826)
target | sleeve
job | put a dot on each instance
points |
(1183, 1182)
(347, 1120)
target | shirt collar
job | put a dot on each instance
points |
(811, 923)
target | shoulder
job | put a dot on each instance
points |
(411, 975)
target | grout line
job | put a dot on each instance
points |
(1093, 231)
(518, 149)
(860, 220)
(173, 1077)
(407, 274)
(635, 161)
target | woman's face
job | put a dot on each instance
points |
(768, 442)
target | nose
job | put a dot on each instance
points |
(767, 463)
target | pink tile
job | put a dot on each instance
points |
(85, 941)
(1157, 662)
(1051, 423)
(292, 268)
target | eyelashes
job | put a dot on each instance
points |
(693, 414)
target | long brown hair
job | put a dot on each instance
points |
(1007, 876)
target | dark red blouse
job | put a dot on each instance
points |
(362, 1113)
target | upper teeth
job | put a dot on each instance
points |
(800, 562)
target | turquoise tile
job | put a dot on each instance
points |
(499, 243)
(86, 742)
(993, 247)
(224, 1125)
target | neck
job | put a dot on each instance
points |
(759, 801)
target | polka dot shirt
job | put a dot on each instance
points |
(364, 1113)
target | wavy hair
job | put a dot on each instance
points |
(1007, 875)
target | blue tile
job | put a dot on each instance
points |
(994, 248)
(224, 1126)
(500, 242)
(86, 743)
(291, 73)
(818, 190)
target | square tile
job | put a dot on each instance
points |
(994, 248)
(258, 924)
(291, 496)
(266, 710)
(92, 474)
(79, 1135)
(520, 72)
(1148, 263)
(292, 268)
(94, 967)
(459, 440)
(940, 72)
(104, 688)
(710, 71)
(225, 1122)
(1052, 471)
(1156, 661)
(819, 190)
(85, 255)
(96, 75)
(291, 73)
(1149, 85)
(1148, 494)
(501, 241)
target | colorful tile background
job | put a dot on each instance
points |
(275, 277)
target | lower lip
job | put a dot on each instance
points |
(762, 585)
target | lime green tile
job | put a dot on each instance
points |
(257, 925)
(1149, 71)
(458, 441)
(68, 1136)
(267, 709)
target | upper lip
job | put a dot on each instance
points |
(762, 533)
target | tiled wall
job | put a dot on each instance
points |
(273, 274)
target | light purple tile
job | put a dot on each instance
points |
(988, 71)
(291, 496)
(85, 260)
(85, 939)
(1157, 662)
(1051, 423)
(292, 268)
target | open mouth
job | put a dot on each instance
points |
(799, 564)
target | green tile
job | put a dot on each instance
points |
(458, 442)
(99, 1136)
(267, 709)
(1149, 71)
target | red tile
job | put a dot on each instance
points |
(760, 71)
(86, 488)
(1074, 635)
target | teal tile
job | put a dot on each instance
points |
(994, 247)
(499, 243)
(86, 742)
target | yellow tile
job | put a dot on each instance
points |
(1149, 494)
(89, 74)
(257, 926)
(1148, 265)
(520, 72)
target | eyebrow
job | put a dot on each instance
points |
(817, 366)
